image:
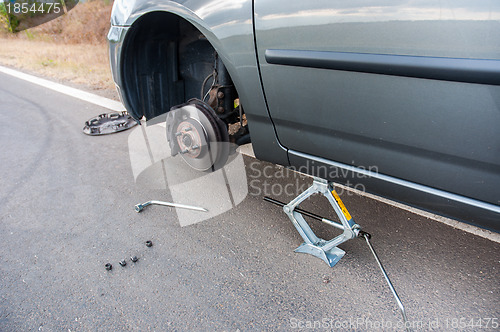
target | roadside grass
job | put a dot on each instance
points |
(70, 48)
(77, 63)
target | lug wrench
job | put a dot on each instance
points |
(139, 207)
(367, 237)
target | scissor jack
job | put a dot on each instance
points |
(328, 251)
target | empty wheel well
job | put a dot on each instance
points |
(167, 61)
(154, 69)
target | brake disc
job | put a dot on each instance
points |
(196, 133)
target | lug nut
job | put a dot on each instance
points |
(134, 259)
(108, 266)
(178, 134)
(188, 129)
(149, 244)
(123, 263)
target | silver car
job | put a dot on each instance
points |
(401, 96)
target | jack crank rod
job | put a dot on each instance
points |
(307, 213)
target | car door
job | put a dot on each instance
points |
(411, 88)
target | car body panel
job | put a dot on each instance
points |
(347, 82)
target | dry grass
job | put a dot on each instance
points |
(87, 23)
(70, 48)
(80, 64)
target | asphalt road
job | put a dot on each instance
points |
(66, 209)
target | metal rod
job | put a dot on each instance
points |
(307, 213)
(394, 293)
(140, 207)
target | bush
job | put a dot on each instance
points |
(4, 20)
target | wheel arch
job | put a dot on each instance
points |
(148, 86)
(235, 47)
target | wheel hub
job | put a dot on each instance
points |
(190, 139)
(198, 135)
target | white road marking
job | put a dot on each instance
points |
(76, 93)
(118, 107)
